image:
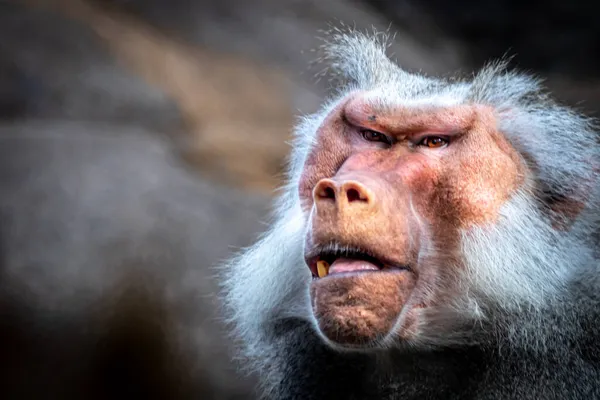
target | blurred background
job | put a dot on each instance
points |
(141, 142)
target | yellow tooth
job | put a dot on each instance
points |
(322, 268)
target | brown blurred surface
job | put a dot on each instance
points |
(236, 113)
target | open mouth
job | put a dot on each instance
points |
(347, 260)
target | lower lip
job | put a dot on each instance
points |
(346, 274)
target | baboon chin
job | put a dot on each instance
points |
(444, 226)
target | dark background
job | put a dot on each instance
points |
(141, 142)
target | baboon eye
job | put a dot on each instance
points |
(373, 136)
(433, 142)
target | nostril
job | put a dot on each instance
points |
(352, 195)
(326, 193)
(327, 190)
(355, 195)
(329, 193)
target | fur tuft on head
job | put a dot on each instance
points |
(340, 46)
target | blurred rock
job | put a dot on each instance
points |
(51, 66)
(283, 33)
(237, 114)
(106, 282)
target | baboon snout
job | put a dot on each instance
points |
(343, 195)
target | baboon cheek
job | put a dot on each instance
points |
(357, 310)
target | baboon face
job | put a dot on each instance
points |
(387, 191)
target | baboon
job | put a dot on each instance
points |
(435, 240)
